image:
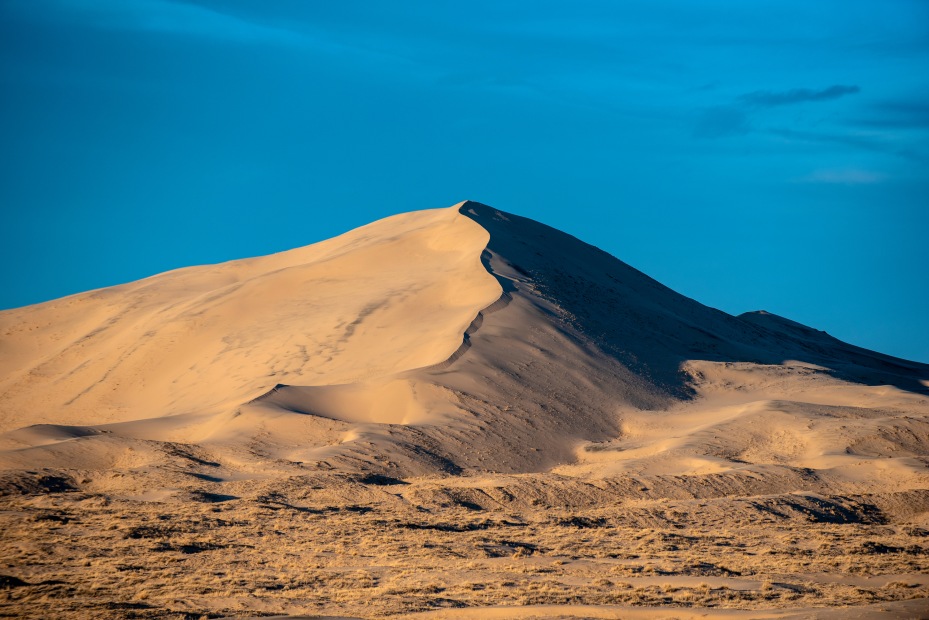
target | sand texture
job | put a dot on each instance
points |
(456, 413)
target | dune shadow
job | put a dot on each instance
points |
(651, 329)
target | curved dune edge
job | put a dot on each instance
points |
(403, 398)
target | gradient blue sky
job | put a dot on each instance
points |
(752, 155)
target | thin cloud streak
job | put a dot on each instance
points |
(769, 99)
(903, 114)
(165, 16)
(847, 176)
(722, 121)
(177, 18)
(735, 119)
(862, 142)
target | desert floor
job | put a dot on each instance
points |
(368, 547)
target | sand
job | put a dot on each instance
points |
(456, 413)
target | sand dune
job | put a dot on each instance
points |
(461, 359)
(382, 299)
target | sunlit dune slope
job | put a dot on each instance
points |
(394, 295)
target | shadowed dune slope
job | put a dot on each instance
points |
(652, 329)
(577, 342)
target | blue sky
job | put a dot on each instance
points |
(751, 155)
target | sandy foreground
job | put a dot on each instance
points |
(455, 413)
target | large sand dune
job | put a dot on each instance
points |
(473, 375)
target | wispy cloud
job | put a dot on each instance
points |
(211, 23)
(736, 118)
(866, 142)
(844, 176)
(168, 16)
(770, 99)
(902, 114)
(722, 121)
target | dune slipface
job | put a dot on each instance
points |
(457, 408)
